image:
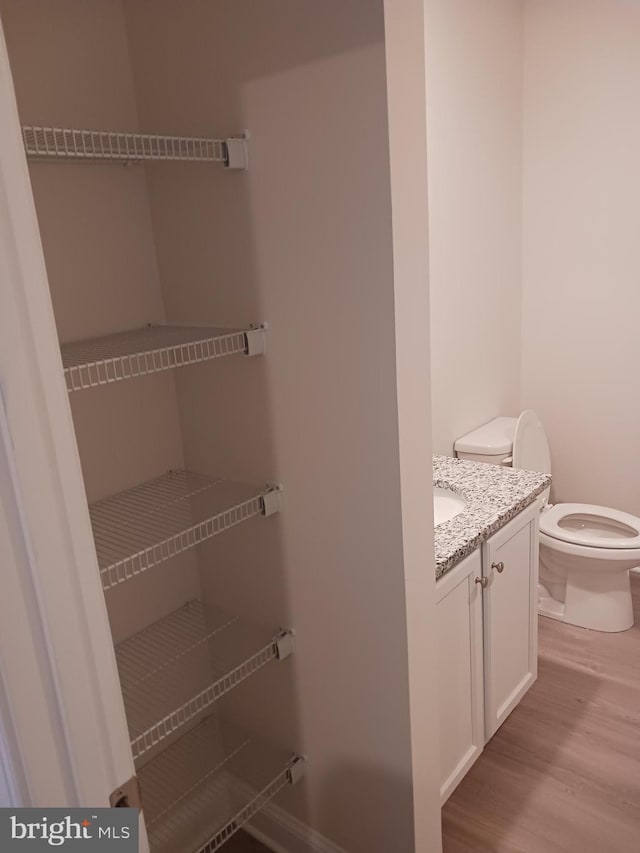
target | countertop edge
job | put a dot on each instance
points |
(470, 483)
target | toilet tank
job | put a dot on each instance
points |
(492, 442)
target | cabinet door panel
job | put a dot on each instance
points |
(460, 678)
(510, 617)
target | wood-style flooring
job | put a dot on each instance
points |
(562, 775)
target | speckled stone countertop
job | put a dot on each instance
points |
(494, 495)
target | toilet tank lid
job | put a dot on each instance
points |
(491, 439)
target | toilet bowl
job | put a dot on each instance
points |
(586, 551)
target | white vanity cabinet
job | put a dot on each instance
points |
(460, 671)
(510, 616)
(487, 642)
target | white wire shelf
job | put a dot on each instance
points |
(75, 144)
(143, 526)
(127, 355)
(202, 789)
(178, 667)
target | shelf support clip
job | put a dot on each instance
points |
(297, 769)
(256, 340)
(284, 645)
(272, 500)
(236, 155)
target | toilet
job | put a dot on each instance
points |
(586, 551)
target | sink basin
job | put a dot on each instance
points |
(446, 505)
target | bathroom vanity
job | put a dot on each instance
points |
(487, 577)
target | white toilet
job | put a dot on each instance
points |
(586, 551)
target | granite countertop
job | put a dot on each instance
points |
(494, 496)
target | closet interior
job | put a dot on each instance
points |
(211, 181)
(153, 505)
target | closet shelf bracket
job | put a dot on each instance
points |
(284, 645)
(256, 338)
(237, 152)
(297, 769)
(272, 499)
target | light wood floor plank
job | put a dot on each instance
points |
(562, 775)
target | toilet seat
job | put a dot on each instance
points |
(599, 556)
(591, 526)
(583, 530)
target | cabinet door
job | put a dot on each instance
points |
(510, 599)
(460, 679)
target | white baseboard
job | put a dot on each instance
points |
(282, 833)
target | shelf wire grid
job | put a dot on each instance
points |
(178, 667)
(148, 524)
(114, 146)
(127, 355)
(204, 787)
